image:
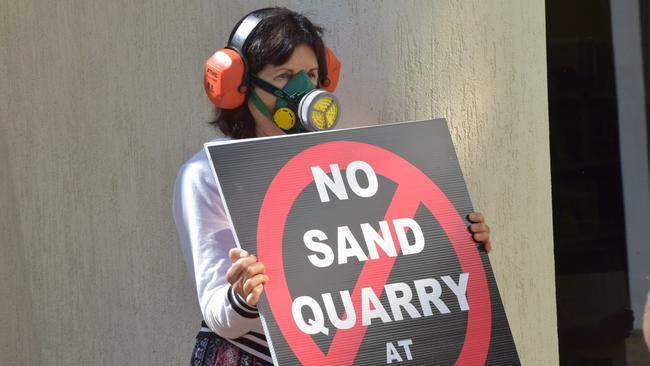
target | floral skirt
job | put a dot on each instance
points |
(212, 350)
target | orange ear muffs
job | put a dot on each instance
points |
(224, 79)
(333, 71)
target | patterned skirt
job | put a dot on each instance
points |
(212, 350)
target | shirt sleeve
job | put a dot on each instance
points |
(206, 237)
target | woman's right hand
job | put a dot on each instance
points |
(246, 275)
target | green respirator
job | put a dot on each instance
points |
(299, 107)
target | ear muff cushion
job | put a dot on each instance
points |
(224, 74)
(333, 70)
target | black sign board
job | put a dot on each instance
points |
(363, 235)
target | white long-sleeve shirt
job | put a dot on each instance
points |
(206, 237)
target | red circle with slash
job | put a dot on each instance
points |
(413, 189)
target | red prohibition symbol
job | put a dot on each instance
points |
(413, 189)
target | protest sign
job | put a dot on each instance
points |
(364, 238)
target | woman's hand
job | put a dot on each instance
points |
(479, 229)
(246, 275)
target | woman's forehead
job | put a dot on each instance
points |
(302, 58)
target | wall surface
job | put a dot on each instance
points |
(101, 101)
(628, 59)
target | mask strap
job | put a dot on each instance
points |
(260, 105)
(271, 89)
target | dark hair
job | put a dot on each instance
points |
(272, 42)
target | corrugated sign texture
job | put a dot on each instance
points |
(364, 238)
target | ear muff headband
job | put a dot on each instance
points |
(226, 71)
(245, 27)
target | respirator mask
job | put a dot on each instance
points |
(299, 107)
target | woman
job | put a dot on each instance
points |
(284, 48)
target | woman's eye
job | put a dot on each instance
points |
(284, 76)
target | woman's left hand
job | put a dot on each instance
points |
(479, 229)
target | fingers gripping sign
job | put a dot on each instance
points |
(246, 275)
(480, 230)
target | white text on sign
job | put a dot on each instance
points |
(392, 354)
(402, 297)
(348, 246)
(336, 184)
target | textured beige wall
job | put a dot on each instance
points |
(101, 101)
